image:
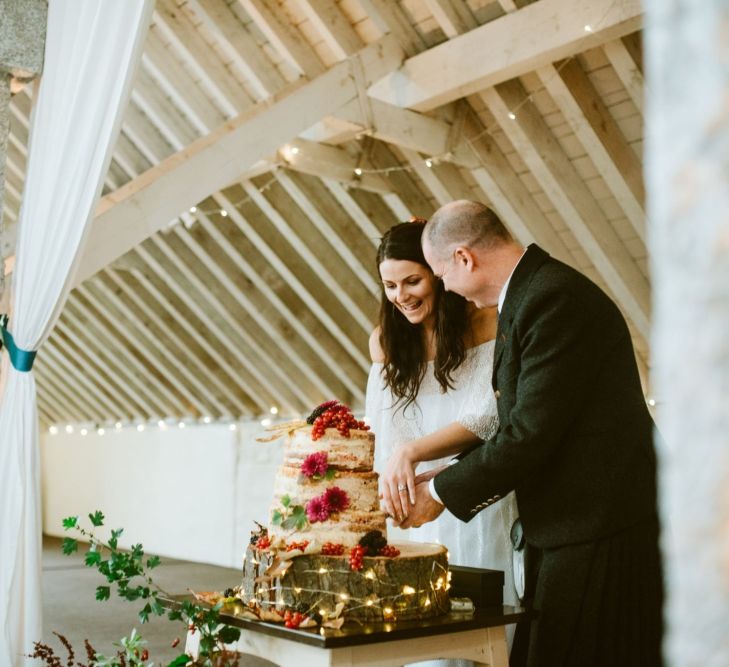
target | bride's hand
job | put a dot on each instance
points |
(398, 483)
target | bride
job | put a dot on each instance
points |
(429, 397)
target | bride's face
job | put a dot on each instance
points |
(410, 287)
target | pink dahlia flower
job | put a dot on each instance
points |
(336, 499)
(317, 509)
(315, 465)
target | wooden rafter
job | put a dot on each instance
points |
(150, 201)
(506, 49)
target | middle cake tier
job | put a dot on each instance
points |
(360, 515)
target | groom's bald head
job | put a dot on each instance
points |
(464, 223)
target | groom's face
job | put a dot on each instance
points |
(455, 276)
(459, 275)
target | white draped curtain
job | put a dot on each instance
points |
(92, 50)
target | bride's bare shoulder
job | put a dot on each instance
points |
(376, 353)
(482, 327)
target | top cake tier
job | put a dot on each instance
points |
(356, 452)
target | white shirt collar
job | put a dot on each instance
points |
(502, 294)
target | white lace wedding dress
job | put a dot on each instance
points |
(484, 541)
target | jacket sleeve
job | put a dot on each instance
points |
(562, 339)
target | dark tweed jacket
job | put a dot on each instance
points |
(575, 439)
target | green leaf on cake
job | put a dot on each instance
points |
(331, 473)
(297, 519)
(276, 518)
(286, 500)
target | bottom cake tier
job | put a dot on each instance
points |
(412, 585)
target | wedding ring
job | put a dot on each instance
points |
(402, 487)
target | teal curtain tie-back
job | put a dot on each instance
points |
(22, 360)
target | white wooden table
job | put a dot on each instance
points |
(478, 636)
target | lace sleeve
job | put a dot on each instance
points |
(478, 411)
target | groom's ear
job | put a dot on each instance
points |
(464, 257)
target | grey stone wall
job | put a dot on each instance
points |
(687, 177)
(22, 36)
(22, 42)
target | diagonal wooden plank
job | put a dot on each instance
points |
(137, 210)
(284, 36)
(594, 126)
(506, 48)
(538, 147)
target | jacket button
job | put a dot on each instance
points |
(497, 497)
(497, 394)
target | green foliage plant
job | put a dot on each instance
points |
(129, 573)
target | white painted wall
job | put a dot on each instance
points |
(188, 493)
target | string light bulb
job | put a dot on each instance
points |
(273, 410)
(101, 431)
(512, 115)
(588, 28)
(69, 428)
(84, 431)
(224, 213)
(429, 163)
(358, 171)
(53, 430)
(193, 209)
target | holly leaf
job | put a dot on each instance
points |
(69, 545)
(286, 500)
(97, 518)
(70, 522)
(153, 562)
(276, 518)
(103, 592)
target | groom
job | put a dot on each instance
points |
(575, 442)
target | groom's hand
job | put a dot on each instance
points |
(425, 508)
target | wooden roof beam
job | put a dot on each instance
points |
(145, 205)
(507, 47)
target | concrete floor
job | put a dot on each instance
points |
(70, 606)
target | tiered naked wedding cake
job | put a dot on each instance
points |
(324, 550)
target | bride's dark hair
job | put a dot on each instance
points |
(402, 343)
